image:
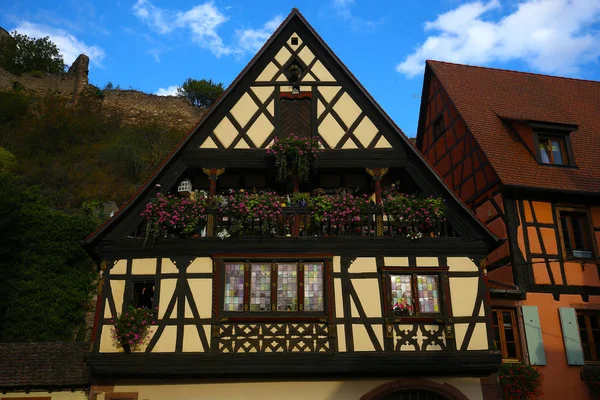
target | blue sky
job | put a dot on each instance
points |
(154, 45)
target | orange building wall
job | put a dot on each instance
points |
(561, 381)
(539, 240)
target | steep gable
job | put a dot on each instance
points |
(352, 128)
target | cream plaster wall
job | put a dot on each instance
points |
(463, 292)
(201, 265)
(144, 266)
(120, 268)
(456, 264)
(369, 296)
(363, 264)
(292, 390)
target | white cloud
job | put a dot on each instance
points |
(552, 36)
(170, 91)
(203, 22)
(70, 47)
(343, 10)
(251, 40)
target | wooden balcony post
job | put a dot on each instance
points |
(377, 174)
(213, 175)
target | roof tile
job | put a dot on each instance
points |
(484, 96)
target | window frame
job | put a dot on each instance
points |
(443, 292)
(589, 231)
(502, 338)
(586, 314)
(438, 122)
(273, 315)
(133, 295)
(541, 136)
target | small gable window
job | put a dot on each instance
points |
(438, 127)
(143, 294)
(552, 150)
(575, 232)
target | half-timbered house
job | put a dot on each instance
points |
(520, 149)
(304, 309)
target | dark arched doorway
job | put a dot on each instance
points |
(414, 389)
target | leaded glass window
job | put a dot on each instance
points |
(313, 287)
(281, 287)
(260, 287)
(417, 293)
(287, 287)
(401, 289)
(234, 287)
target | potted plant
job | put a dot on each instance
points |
(251, 213)
(402, 308)
(294, 156)
(520, 381)
(131, 328)
(300, 199)
(414, 215)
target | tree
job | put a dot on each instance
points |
(46, 278)
(200, 93)
(20, 53)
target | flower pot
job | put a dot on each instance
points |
(126, 348)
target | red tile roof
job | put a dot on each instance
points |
(43, 365)
(485, 96)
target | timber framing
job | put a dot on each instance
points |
(356, 246)
(188, 154)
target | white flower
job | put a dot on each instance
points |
(224, 234)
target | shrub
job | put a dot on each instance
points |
(520, 381)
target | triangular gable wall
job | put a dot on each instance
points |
(246, 117)
(250, 116)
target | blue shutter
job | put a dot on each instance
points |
(570, 329)
(533, 335)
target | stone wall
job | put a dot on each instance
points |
(134, 106)
(137, 107)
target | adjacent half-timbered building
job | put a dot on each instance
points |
(304, 309)
(521, 149)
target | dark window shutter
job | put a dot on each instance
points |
(296, 117)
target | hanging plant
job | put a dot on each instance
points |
(132, 328)
(520, 381)
(414, 216)
(294, 156)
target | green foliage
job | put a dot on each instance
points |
(591, 375)
(20, 53)
(79, 152)
(294, 156)
(414, 216)
(45, 276)
(200, 93)
(520, 381)
(8, 162)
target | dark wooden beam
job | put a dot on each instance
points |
(215, 366)
(350, 246)
(258, 159)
